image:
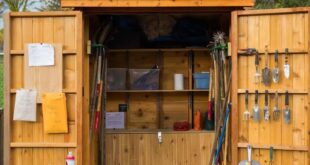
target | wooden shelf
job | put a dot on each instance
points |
(12, 91)
(276, 147)
(201, 49)
(151, 131)
(155, 91)
(280, 91)
(42, 145)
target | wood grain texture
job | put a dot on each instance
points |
(278, 29)
(141, 149)
(23, 137)
(156, 3)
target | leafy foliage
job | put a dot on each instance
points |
(268, 4)
(18, 5)
(50, 5)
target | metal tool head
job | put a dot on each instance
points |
(249, 161)
(246, 113)
(257, 72)
(287, 111)
(276, 110)
(266, 73)
(266, 108)
(276, 70)
(286, 66)
(256, 108)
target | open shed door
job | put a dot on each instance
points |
(278, 29)
(25, 142)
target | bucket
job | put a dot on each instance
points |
(202, 80)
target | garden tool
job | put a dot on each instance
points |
(271, 156)
(276, 71)
(257, 74)
(287, 111)
(266, 73)
(276, 110)
(249, 161)
(246, 113)
(209, 118)
(266, 108)
(247, 51)
(256, 108)
(286, 65)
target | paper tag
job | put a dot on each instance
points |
(25, 105)
(41, 54)
(286, 71)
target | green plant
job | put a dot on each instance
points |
(18, 5)
(50, 5)
(269, 4)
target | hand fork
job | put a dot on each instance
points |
(276, 110)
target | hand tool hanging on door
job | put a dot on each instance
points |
(246, 113)
(266, 108)
(270, 155)
(257, 73)
(276, 70)
(249, 161)
(276, 110)
(286, 66)
(256, 108)
(287, 111)
(266, 71)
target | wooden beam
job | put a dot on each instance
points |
(275, 147)
(43, 145)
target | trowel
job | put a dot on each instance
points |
(276, 70)
(266, 73)
(249, 161)
(266, 108)
(287, 111)
(256, 108)
(286, 66)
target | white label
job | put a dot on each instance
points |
(25, 105)
(41, 54)
(115, 120)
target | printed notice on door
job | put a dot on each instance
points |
(25, 105)
(41, 54)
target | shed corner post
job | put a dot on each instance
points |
(7, 70)
(234, 89)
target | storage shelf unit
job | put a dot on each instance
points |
(159, 109)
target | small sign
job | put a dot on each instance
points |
(41, 54)
(25, 105)
(115, 120)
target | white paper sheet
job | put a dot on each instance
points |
(41, 54)
(115, 120)
(25, 105)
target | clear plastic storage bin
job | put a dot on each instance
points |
(116, 78)
(144, 79)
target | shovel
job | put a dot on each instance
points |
(249, 161)
(287, 111)
(286, 67)
(266, 73)
(256, 108)
(276, 71)
(266, 108)
(257, 74)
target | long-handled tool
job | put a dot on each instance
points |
(249, 161)
(266, 108)
(246, 113)
(287, 111)
(276, 70)
(256, 108)
(266, 71)
(276, 110)
(286, 66)
(270, 155)
(257, 73)
(209, 119)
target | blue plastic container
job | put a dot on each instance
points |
(202, 80)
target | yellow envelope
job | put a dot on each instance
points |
(54, 113)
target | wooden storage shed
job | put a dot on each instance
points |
(155, 110)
